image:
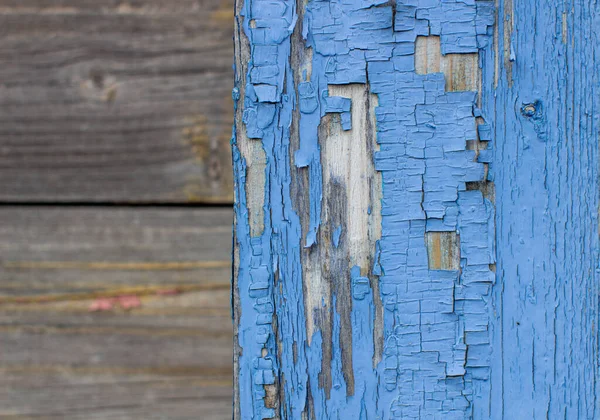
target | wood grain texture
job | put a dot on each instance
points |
(547, 184)
(111, 101)
(170, 357)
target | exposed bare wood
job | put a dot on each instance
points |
(443, 250)
(351, 219)
(460, 70)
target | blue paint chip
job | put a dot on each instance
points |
(335, 237)
(485, 132)
(266, 93)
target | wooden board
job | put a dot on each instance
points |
(115, 101)
(169, 356)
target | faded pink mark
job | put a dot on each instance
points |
(129, 302)
(125, 302)
(101, 304)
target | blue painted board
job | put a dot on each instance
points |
(510, 334)
(546, 117)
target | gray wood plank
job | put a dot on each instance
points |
(111, 101)
(56, 251)
(168, 357)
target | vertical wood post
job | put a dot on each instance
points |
(416, 210)
(547, 137)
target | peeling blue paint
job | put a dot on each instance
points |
(273, 258)
(443, 343)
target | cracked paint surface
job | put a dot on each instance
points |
(440, 329)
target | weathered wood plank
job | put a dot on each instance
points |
(166, 356)
(61, 361)
(111, 101)
(119, 398)
(57, 251)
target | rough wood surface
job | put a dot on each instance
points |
(167, 356)
(365, 292)
(111, 101)
(487, 263)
